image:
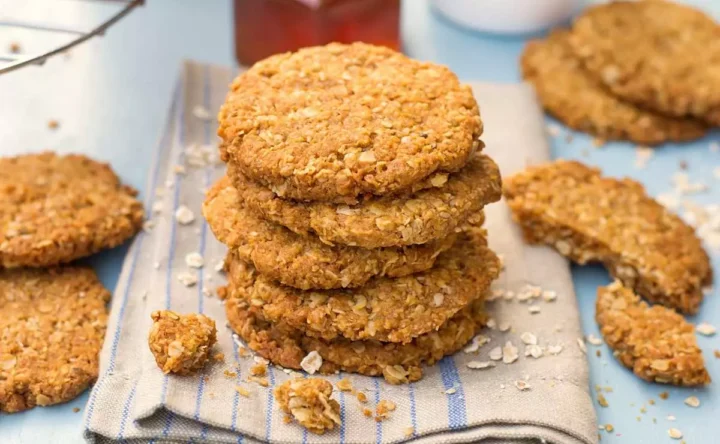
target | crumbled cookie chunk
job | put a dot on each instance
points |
(55, 209)
(181, 344)
(287, 346)
(615, 222)
(659, 55)
(383, 409)
(392, 310)
(309, 402)
(427, 215)
(338, 121)
(655, 342)
(52, 326)
(569, 93)
(305, 262)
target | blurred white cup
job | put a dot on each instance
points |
(508, 16)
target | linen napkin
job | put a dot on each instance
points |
(544, 398)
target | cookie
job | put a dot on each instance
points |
(391, 310)
(309, 402)
(572, 95)
(305, 262)
(425, 216)
(335, 122)
(181, 344)
(51, 331)
(55, 209)
(659, 55)
(590, 218)
(658, 344)
(397, 363)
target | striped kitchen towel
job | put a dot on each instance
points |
(133, 401)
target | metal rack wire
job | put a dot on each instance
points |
(11, 61)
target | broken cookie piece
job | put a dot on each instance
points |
(181, 344)
(309, 403)
(655, 342)
(590, 218)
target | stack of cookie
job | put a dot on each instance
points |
(352, 209)
(646, 72)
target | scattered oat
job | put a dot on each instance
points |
(534, 309)
(344, 385)
(705, 329)
(692, 401)
(76, 409)
(480, 365)
(242, 391)
(201, 113)
(664, 395)
(184, 215)
(601, 400)
(477, 342)
(581, 345)
(450, 391)
(594, 340)
(643, 155)
(187, 279)
(311, 362)
(522, 385)
(262, 381)
(194, 260)
(555, 349)
(671, 418)
(510, 353)
(496, 354)
(179, 169)
(14, 48)
(528, 338)
(553, 129)
(53, 124)
(362, 397)
(549, 295)
(714, 147)
(675, 433)
(148, 225)
(409, 431)
(229, 374)
(534, 350)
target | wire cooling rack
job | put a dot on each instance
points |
(11, 61)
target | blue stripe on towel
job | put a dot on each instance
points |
(413, 408)
(342, 412)
(378, 425)
(269, 412)
(457, 414)
(126, 412)
(136, 247)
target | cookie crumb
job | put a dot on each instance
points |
(53, 124)
(242, 391)
(219, 357)
(14, 48)
(201, 113)
(675, 433)
(194, 260)
(409, 431)
(76, 409)
(184, 215)
(310, 404)
(664, 395)
(383, 409)
(187, 279)
(258, 369)
(344, 385)
(367, 412)
(181, 344)
(261, 381)
(706, 329)
(362, 397)
(602, 401)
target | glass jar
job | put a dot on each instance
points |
(266, 27)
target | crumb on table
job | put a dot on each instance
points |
(310, 404)
(181, 344)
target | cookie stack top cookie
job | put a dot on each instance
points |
(352, 209)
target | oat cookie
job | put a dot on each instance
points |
(54, 209)
(659, 55)
(655, 342)
(392, 310)
(397, 363)
(425, 216)
(181, 344)
(335, 122)
(51, 330)
(305, 262)
(309, 402)
(572, 95)
(590, 218)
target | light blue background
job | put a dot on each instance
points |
(111, 97)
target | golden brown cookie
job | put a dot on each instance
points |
(335, 122)
(309, 402)
(52, 324)
(55, 209)
(590, 218)
(425, 216)
(392, 310)
(572, 95)
(659, 55)
(181, 343)
(655, 342)
(305, 262)
(398, 363)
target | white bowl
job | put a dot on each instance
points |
(508, 16)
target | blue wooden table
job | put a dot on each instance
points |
(111, 95)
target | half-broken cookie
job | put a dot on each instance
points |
(655, 342)
(590, 218)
